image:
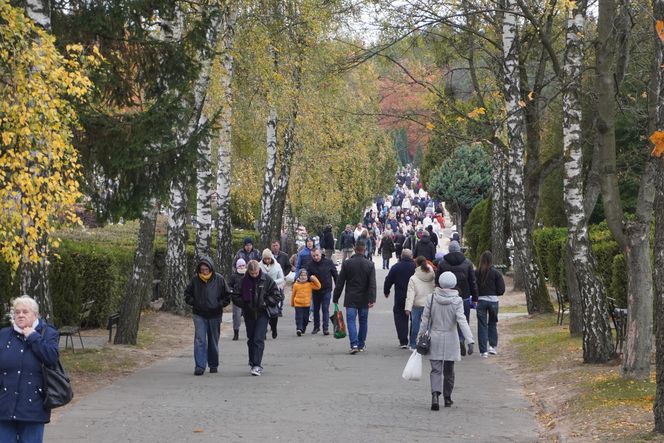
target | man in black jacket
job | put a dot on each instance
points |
(358, 276)
(347, 243)
(326, 273)
(425, 247)
(327, 242)
(398, 277)
(463, 270)
(281, 257)
(207, 294)
(399, 239)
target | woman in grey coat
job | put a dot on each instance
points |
(445, 308)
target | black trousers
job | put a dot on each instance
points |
(401, 323)
(256, 329)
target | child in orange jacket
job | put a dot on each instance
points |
(301, 299)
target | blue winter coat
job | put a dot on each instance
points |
(21, 372)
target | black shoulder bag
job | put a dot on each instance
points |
(424, 340)
(57, 386)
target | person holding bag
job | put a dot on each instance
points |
(27, 346)
(442, 314)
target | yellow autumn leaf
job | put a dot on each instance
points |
(522, 104)
(657, 139)
(477, 112)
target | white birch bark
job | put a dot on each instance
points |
(537, 297)
(40, 12)
(268, 195)
(224, 235)
(597, 339)
(498, 215)
(176, 260)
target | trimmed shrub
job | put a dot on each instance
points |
(543, 239)
(477, 230)
(604, 252)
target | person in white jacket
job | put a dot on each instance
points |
(442, 313)
(420, 287)
(272, 268)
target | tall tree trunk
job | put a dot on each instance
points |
(140, 283)
(633, 236)
(498, 207)
(176, 259)
(204, 185)
(537, 296)
(34, 276)
(224, 234)
(657, 116)
(268, 196)
(597, 339)
(290, 144)
(176, 273)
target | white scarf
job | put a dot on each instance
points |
(20, 331)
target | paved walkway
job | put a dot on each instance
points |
(312, 390)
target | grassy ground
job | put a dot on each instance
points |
(576, 401)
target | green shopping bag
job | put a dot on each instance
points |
(338, 322)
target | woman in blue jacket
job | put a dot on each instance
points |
(24, 347)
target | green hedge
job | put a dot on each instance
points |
(94, 269)
(550, 247)
(477, 230)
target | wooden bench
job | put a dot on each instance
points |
(113, 320)
(68, 332)
(563, 306)
(619, 319)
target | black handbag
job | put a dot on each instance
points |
(57, 390)
(272, 311)
(424, 341)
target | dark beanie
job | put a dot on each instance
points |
(248, 241)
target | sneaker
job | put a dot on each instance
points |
(256, 371)
(299, 333)
(214, 370)
(354, 350)
(485, 354)
(315, 331)
(404, 346)
(326, 332)
(412, 349)
(492, 350)
(199, 371)
(363, 349)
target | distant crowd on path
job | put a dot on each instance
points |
(433, 292)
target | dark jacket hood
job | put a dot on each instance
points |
(425, 239)
(205, 261)
(455, 258)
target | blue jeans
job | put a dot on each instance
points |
(466, 312)
(256, 330)
(357, 340)
(322, 302)
(301, 318)
(415, 320)
(487, 331)
(386, 263)
(21, 431)
(206, 341)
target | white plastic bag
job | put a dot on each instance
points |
(413, 369)
(290, 278)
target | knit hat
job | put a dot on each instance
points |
(447, 280)
(240, 262)
(439, 255)
(267, 254)
(302, 271)
(248, 241)
(454, 246)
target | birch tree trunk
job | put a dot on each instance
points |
(268, 196)
(224, 235)
(176, 259)
(498, 209)
(34, 276)
(657, 103)
(574, 296)
(537, 297)
(632, 235)
(140, 283)
(204, 185)
(597, 338)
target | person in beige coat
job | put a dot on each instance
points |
(445, 309)
(420, 287)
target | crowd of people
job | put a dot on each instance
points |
(434, 293)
